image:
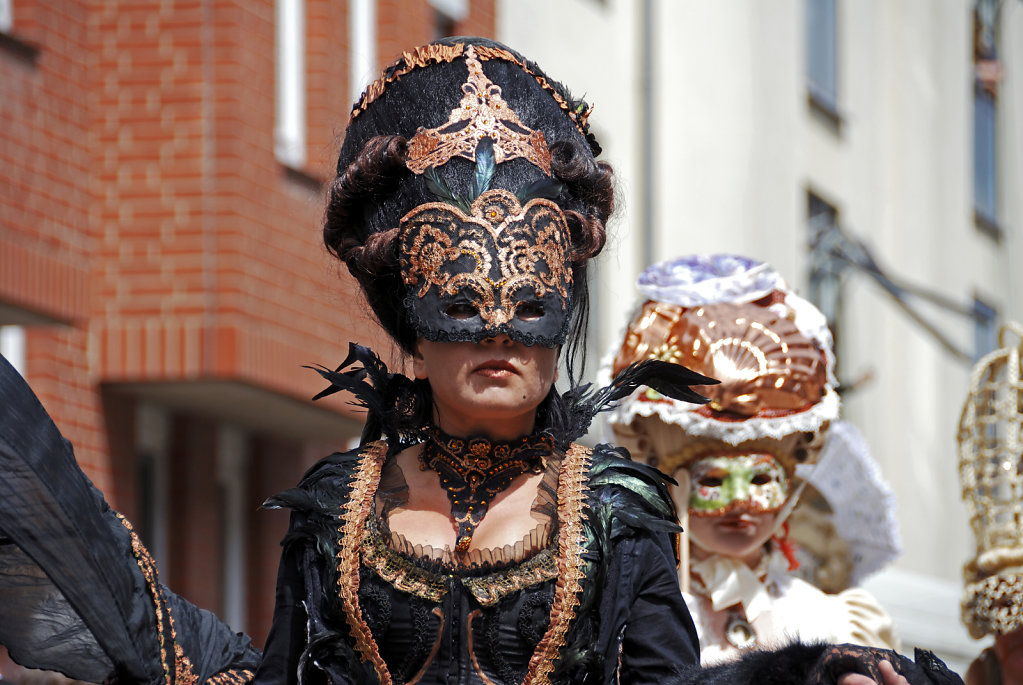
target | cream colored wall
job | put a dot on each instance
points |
(737, 149)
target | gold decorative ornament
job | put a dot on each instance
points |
(767, 367)
(738, 631)
(482, 113)
(437, 54)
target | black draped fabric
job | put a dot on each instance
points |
(74, 596)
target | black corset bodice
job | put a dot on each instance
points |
(438, 623)
(589, 596)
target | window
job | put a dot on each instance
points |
(6, 15)
(987, 73)
(12, 346)
(232, 457)
(362, 39)
(821, 54)
(443, 25)
(152, 442)
(289, 136)
(447, 14)
(985, 328)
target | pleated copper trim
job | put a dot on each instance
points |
(572, 493)
(180, 670)
(350, 535)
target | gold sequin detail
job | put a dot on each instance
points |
(435, 235)
(482, 113)
(400, 572)
(406, 576)
(492, 588)
(180, 670)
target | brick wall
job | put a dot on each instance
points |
(155, 244)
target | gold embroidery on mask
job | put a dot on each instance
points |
(482, 113)
(435, 235)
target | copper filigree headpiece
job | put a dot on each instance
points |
(437, 53)
(501, 268)
(482, 113)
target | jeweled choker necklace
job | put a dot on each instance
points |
(473, 470)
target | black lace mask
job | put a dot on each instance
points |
(500, 269)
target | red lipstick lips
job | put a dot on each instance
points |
(495, 368)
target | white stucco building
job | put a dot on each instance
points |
(731, 123)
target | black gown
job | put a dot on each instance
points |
(593, 597)
(596, 600)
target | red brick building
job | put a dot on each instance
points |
(161, 274)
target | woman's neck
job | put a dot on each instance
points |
(503, 429)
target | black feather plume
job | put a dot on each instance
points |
(388, 398)
(485, 167)
(573, 411)
(545, 187)
(438, 187)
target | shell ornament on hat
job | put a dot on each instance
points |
(733, 319)
(991, 473)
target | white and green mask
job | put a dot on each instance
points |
(721, 484)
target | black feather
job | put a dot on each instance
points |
(545, 187)
(438, 187)
(571, 413)
(485, 167)
(386, 396)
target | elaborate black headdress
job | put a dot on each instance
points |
(468, 197)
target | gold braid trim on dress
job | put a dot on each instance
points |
(180, 670)
(572, 492)
(492, 588)
(355, 511)
(426, 55)
(569, 566)
(407, 576)
(401, 573)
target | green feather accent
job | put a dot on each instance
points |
(485, 167)
(438, 187)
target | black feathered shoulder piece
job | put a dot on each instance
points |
(398, 408)
(569, 415)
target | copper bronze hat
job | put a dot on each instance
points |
(736, 320)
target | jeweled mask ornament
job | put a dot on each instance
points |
(496, 262)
